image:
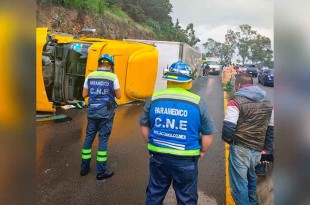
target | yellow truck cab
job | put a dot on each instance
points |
(63, 62)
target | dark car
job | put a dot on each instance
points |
(245, 67)
(266, 77)
(252, 71)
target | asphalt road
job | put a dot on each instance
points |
(265, 184)
(59, 152)
(268, 89)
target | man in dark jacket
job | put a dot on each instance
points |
(248, 128)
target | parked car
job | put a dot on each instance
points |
(252, 71)
(266, 77)
(245, 67)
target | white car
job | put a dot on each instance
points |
(215, 67)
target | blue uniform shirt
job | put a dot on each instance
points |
(176, 118)
(101, 85)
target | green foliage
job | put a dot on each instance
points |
(158, 10)
(228, 47)
(51, 2)
(245, 38)
(134, 11)
(250, 45)
(149, 14)
(119, 13)
(204, 57)
(141, 10)
(101, 7)
(113, 3)
(261, 50)
(154, 24)
(228, 86)
(213, 48)
(96, 6)
(269, 64)
(178, 33)
(190, 32)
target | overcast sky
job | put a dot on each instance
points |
(212, 18)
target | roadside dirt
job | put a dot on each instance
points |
(65, 20)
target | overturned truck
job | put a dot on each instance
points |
(63, 61)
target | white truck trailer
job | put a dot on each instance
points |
(170, 52)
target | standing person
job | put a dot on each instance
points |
(178, 130)
(102, 87)
(206, 70)
(248, 128)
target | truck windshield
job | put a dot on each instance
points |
(75, 71)
(212, 62)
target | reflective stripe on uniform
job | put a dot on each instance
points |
(102, 156)
(102, 75)
(101, 159)
(86, 153)
(102, 153)
(177, 94)
(164, 150)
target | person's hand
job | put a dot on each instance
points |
(201, 155)
(266, 157)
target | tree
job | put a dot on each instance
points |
(231, 38)
(228, 48)
(261, 50)
(204, 57)
(244, 41)
(212, 48)
(249, 43)
(158, 10)
(179, 33)
(226, 53)
(190, 32)
(133, 9)
(177, 25)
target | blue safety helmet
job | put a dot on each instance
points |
(106, 57)
(179, 72)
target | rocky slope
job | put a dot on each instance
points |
(60, 19)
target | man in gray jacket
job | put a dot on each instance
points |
(248, 128)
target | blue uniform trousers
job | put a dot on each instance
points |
(98, 121)
(182, 173)
(242, 176)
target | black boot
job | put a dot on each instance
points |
(83, 172)
(106, 174)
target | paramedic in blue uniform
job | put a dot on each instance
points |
(101, 87)
(178, 130)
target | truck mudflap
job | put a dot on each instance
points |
(42, 102)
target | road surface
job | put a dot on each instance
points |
(59, 152)
(59, 156)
